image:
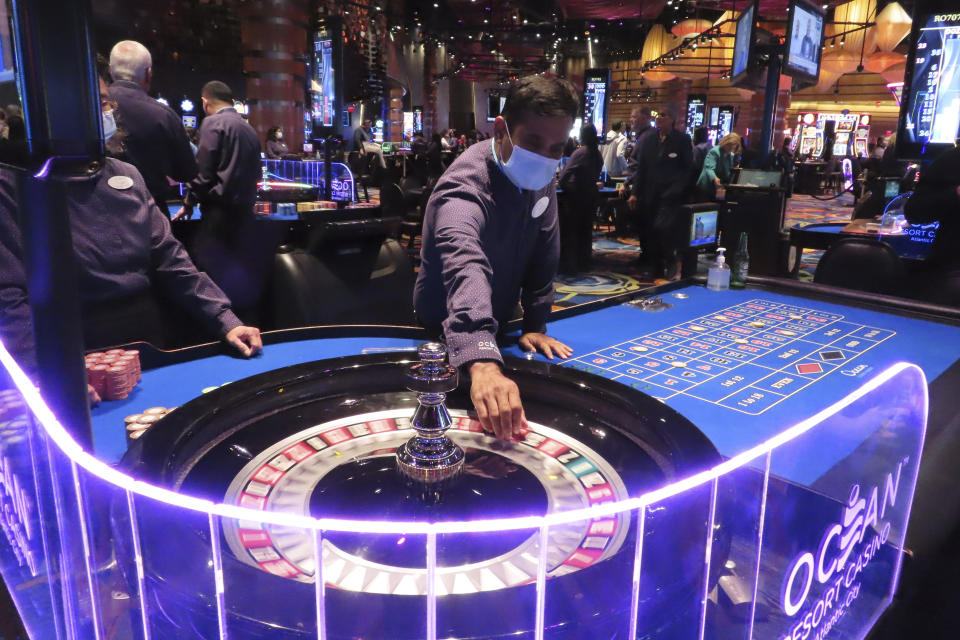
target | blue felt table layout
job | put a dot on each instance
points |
(743, 393)
(743, 383)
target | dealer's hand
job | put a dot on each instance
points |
(496, 399)
(92, 396)
(246, 340)
(633, 202)
(545, 344)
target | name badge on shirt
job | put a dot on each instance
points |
(540, 207)
(120, 182)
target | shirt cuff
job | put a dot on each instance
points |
(468, 347)
(228, 321)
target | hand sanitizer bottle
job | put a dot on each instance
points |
(718, 276)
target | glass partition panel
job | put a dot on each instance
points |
(479, 573)
(762, 546)
(679, 542)
(832, 544)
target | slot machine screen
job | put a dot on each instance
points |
(189, 122)
(930, 109)
(308, 147)
(407, 125)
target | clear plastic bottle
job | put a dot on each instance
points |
(718, 276)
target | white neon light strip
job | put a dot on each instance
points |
(71, 449)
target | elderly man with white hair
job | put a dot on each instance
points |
(157, 143)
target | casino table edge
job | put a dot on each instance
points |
(152, 357)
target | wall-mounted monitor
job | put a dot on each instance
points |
(596, 92)
(804, 43)
(930, 109)
(743, 43)
(189, 122)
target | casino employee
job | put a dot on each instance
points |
(491, 238)
(124, 247)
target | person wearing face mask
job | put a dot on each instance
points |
(126, 257)
(718, 166)
(491, 239)
(156, 143)
(276, 148)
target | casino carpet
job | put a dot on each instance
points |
(616, 270)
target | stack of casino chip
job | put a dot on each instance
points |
(113, 373)
(138, 423)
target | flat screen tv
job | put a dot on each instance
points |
(743, 43)
(703, 228)
(804, 41)
(930, 108)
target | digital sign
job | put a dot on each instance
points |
(418, 119)
(595, 93)
(930, 114)
(804, 40)
(324, 76)
(742, 42)
(407, 125)
(189, 122)
(696, 112)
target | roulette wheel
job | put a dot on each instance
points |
(322, 439)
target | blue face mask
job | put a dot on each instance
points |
(526, 169)
(109, 125)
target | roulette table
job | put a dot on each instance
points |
(641, 503)
(320, 439)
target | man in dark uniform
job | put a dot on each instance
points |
(156, 141)
(228, 160)
(637, 169)
(491, 238)
(670, 161)
(15, 323)
(124, 247)
(228, 157)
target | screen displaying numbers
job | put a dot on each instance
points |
(933, 110)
